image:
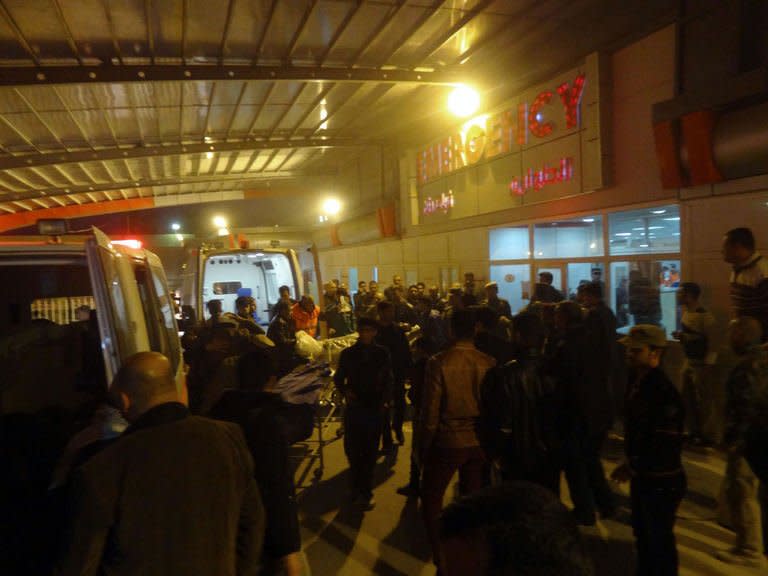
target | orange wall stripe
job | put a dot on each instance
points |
(697, 132)
(667, 155)
(28, 218)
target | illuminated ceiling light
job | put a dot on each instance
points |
(656, 227)
(207, 139)
(175, 226)
(673, 219)
(658, 211)
(593, 245)
(643, 245)
(588, 220)
(219, 221)
(209, 155)
(222, 232)
(331, 206)
(623, 234)
(463, 101)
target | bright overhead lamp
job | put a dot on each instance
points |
(463, 101)
(175, 226)
(222, 232)
(219, 222)
(209, 155)
(658, 211)
(331, 206)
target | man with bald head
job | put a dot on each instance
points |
(174, 495)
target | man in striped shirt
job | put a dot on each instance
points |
(749, 278)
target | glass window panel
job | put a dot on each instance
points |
(514, 281)
(644, 293)
(509, 243)
(577, 238)
(646, 231)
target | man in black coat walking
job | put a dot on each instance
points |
(364, 377)
(174, 495)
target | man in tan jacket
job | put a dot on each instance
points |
(448, 430)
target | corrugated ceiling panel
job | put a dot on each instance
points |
(205, 27)
(378, 51)
(284, 24)
(248, 20)
(130, 26)
(95, 126)
(168, 119)
(78, 96)
(166, 25)
(11, 102)
(359, 31)
(194, 121)
(40, 25)
(319, 29)
(124, 123)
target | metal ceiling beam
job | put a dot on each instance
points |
(150, 30)
(412, 29)
(386, 21)
(46, 75)
(227, 24)
(58, 158)
(299, 31)
(468, 16)
(235, 110)
(67, 32)
(265, 29)
(340, 30)
(4, 12)
(261, 107)
(112, 35)
(90, 189)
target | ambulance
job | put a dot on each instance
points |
(225, 274)
(73, 308)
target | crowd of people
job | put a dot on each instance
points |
(510, 402)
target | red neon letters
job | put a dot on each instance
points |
(533, 181)
(535, 125)
(571, 98)
(503, 132)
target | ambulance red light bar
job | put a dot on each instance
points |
(131, 243)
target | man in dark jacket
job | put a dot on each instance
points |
(270, 426)
(282, 331)
(392, 337)
(581, 439)
(174, 495)
(653, 446)
(364, 377)
(518, 410)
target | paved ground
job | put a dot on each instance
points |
(390, 540)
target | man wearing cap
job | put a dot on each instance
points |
(492, 300)
(653, 447)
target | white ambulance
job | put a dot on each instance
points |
(72, 308)
(226, 274)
